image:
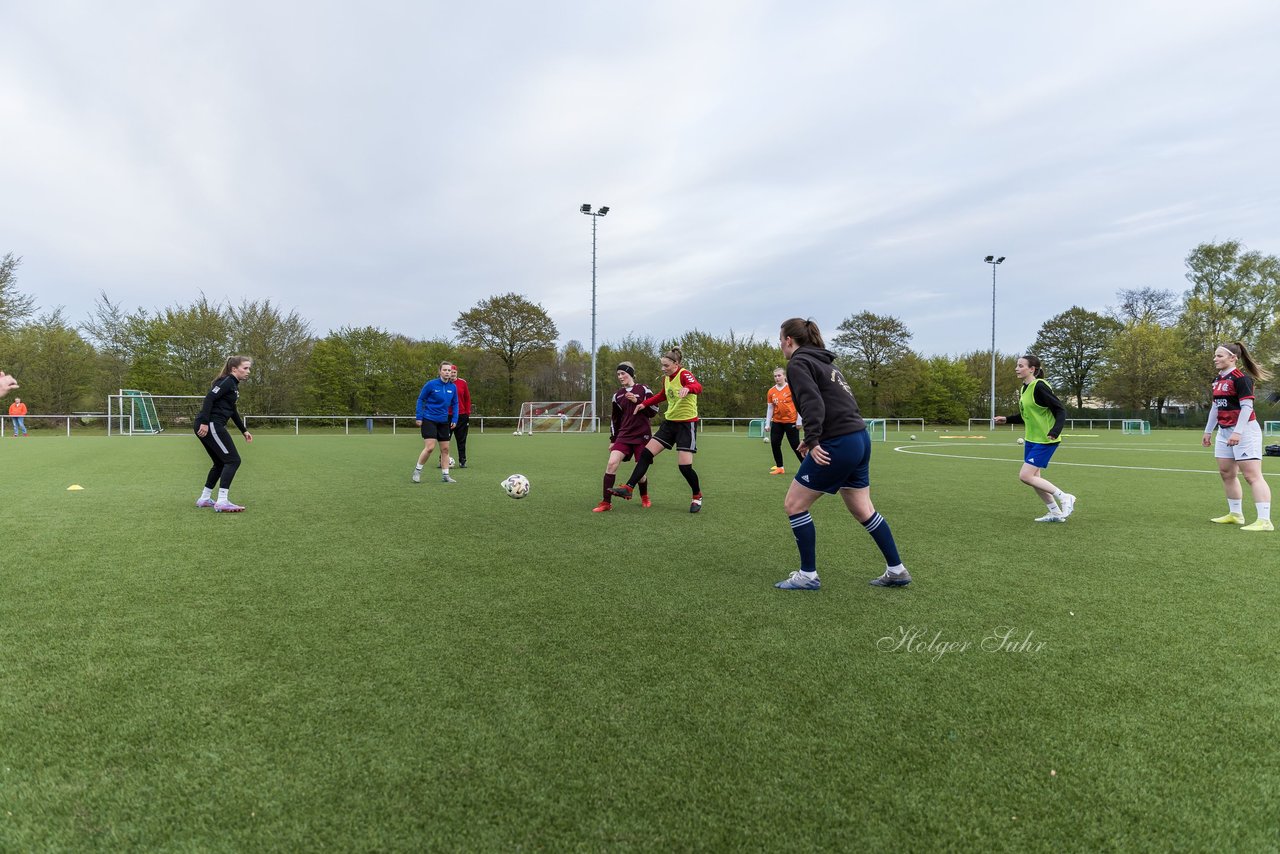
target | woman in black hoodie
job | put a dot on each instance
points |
(211, 429)
(837, 455)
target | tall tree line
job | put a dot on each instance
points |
(1148, 351)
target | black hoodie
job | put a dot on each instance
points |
(220, 404)
(826, 403)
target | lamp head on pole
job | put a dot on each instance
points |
(604, 209)
(988, 259)
(586, 209)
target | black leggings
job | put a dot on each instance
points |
(226, 459)
(460, 437)
(776, 432)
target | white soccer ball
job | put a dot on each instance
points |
(913, 438)
(516, 433)
(1021, 441)
(452, 462)
(516, 486)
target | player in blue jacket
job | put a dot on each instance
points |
(437, 415)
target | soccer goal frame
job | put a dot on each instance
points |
(555, 416)
(877, 429)
(138, 413)
(1271, 428)
(1135, 427)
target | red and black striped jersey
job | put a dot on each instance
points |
(1228, 390)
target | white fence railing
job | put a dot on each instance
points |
(121, 424)
(1109, 422)
(63, 422)
(1071, 423)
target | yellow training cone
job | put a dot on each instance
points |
(75, 487)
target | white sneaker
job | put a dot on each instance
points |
(417, 476)
(1068, 504)
(1052, 517)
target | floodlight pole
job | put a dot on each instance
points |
(994, 262)
(595, 217)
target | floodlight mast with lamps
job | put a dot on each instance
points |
(595, 217)
(993, 261)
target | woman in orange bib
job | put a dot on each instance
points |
(781, 419)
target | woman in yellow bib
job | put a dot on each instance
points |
(1044, 416)
(679, 430)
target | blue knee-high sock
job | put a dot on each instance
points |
(878, 528)
(806, 540)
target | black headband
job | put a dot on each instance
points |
(628, 368)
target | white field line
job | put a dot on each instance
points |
(907, 449)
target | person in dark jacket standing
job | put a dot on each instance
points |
(211, 427)
(464, 416)
(837, 457)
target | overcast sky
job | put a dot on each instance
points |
(391, 163)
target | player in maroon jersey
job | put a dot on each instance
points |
(1239, 446)
(629, 431)
(679, 428)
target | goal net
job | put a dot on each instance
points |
(554, 416)
(1135, 427)
(134, 412)
(877, 429)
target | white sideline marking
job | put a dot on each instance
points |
(910, 450)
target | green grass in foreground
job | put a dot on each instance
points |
(359, 663)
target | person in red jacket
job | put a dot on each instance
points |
(464, 416)
(18, 412)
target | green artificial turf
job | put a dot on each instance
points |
(361, 663)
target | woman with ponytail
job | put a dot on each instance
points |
(1239, 446)
(211, 429)
(679, 430)
(1044, 416)
(837, 456)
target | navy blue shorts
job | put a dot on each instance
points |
(1038, 455)
(850, 466)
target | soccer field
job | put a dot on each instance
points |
(360, 663)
